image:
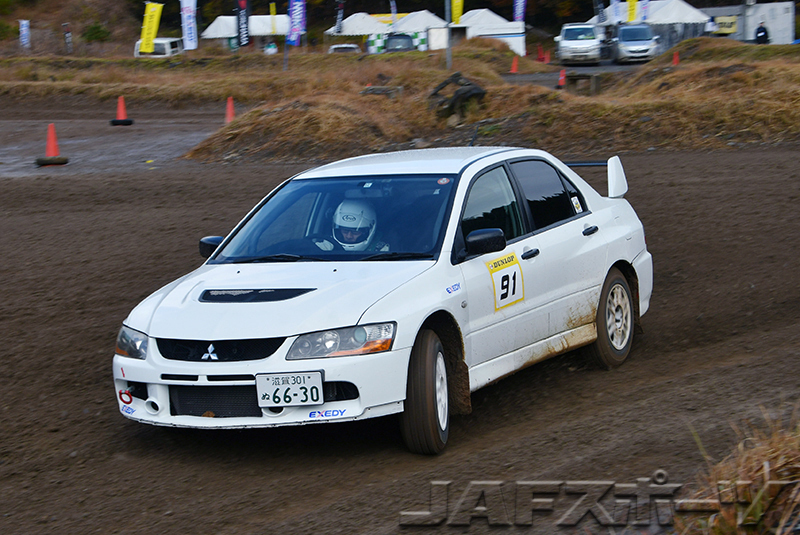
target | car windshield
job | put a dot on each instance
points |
(641, 33)
(346, 219)
(578, 34)
(399, 42)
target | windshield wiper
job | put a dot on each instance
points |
(282, 257)
(397, 256)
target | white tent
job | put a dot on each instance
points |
(658, 12)
(224, 27)
(488, 24)
(418, 21)
(359, 24)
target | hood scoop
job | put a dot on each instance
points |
(252, 296)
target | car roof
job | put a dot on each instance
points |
(420, 161)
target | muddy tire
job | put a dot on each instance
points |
(425, 422)
(615, 322)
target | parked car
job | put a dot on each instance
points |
(635, 43)
(350, 48)
(386, 284)
(579, 43)
(399, 42)
(162, 47)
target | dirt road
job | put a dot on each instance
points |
(82, 244)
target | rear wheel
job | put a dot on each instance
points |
(614, 322)
(425, 422)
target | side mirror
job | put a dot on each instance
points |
(557, 38)
(209, 244)
(488, 240)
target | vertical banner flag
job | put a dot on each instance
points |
(152, 17)
(600, 11)
(393, 7)
(272, 14)
(519, 10)
(632, 11)
(25, 33)
(645, 4)
(615, 14)
(457, 11)
(243, 22)
(297, 21)
(189, 24)
(339, 16)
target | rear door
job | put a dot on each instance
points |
(567, 273)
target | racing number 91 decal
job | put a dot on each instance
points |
(507, 280)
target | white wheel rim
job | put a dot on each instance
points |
(618, 317)
(441, 391)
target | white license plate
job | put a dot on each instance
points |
(289, 389)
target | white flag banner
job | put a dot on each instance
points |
(25, 33)
(189, 24)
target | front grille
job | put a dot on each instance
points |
(218, 350)
(214, 401)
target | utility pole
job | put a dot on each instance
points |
(449, 53)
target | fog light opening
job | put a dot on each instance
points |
(152, 406)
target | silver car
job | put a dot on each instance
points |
(635, 43)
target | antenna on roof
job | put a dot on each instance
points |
(474, 137)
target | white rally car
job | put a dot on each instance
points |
(389, 283)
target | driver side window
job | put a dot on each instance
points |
(492, 204)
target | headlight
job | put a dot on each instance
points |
(131, 343)
(358, 340)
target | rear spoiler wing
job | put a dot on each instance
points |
(617, 183)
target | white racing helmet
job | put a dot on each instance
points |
(354, 225)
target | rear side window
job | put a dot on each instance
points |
(550, 198)
(492, 204)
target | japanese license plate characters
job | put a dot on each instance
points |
(507, 280)
(289, 389)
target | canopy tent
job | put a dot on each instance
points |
(418, 21)
(359, 24)
(488, 24)
(224, 27)
(658, 12)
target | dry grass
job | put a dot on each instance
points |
(721, 94)
(766, 453)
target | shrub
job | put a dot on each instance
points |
(96, 32)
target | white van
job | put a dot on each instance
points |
(162, 47)
(579, 43)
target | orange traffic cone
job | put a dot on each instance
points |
(547, 56)
(675, 58)
(229, 111)
(540, 55)
(562, 79)
(514, 65)
(122, 115)
(51, 152)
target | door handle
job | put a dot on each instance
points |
(530, 253)
(588, 231)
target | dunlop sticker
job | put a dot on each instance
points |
(507, 280)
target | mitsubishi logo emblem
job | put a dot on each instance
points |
(210, 353)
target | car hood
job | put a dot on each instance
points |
(216, 302)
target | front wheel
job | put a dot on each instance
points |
(614, 322)
(425, 422)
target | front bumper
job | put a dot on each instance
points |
(579, 56)
(223, 395)
(624, 55)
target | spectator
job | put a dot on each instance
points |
(762, 35)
